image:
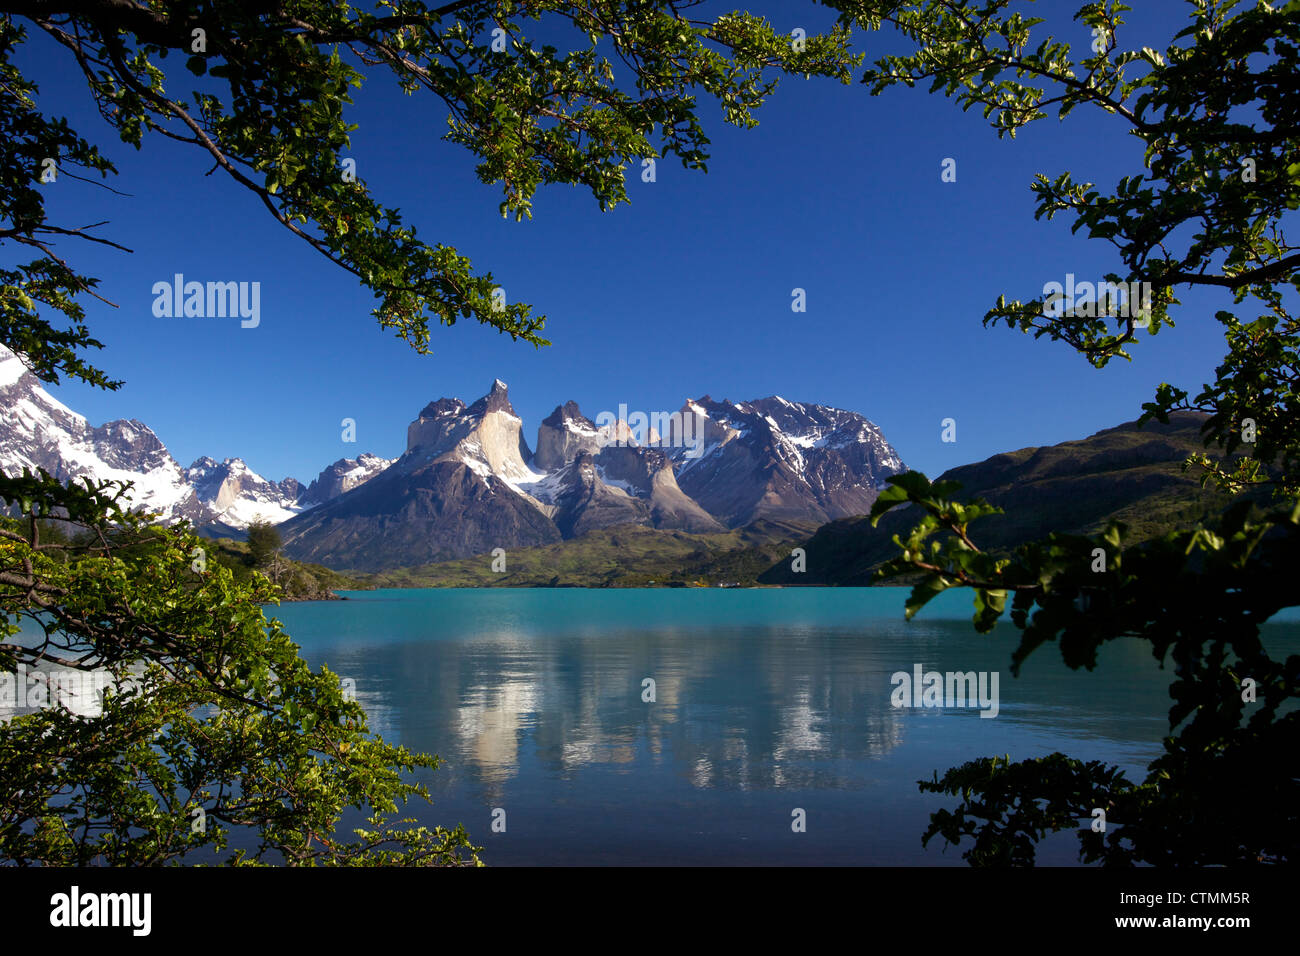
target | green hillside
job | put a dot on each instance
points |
(301, 582)
(1127, 473)
(625, 556)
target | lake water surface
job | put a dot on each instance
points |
(766, 701)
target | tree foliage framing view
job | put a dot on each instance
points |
(1216, 113)
(214, 722)
(215, 717)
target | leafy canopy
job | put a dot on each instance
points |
(1215, 112)
(264, 90)
(263, 541)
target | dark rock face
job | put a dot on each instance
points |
(563, 435)
(291, 488)
(785, 461)
(442, 408)
(129, 445)
(342, 476)
(434, 513)
(496, 400)
(649, 474)
(586, 502)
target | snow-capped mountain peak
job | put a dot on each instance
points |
(38, 431)
(776, 458)
(240, 495)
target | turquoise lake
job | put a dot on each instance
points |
(766, 702)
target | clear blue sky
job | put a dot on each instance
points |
(683, 293)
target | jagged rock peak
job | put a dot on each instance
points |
(344, 475)
(563, 434)
(443, 407)
(496, 400)
(568, 412)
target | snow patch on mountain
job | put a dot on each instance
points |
(239, 496)
(38, 431)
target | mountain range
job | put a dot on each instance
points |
(219, 498)
(468, 483)
(1129, 473)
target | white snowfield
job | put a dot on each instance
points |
(11, 368)
(39, 431)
